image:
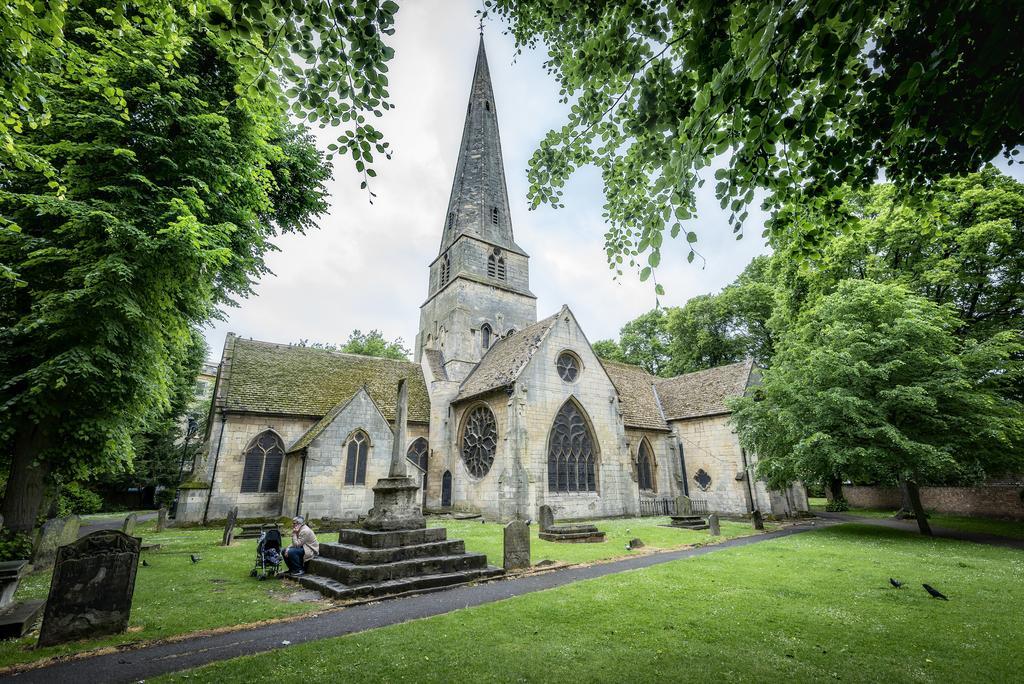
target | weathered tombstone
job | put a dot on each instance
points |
(129, 524)
(91, 589)
(547, 518)
(229, 527)
(713, 525)
(517, 545)
(54, 533)
(161, 519)
(636, 543)
(758, 520)
(683, 505)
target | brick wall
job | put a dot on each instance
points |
(982, 501)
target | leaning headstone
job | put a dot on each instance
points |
(91, 589)
(129, 524)
(758, 520)
(54, 533)
(547, 518)
(229, 527)
(161, 519)
(714, 527)
(683, 505)
(517, 545)
(636, 543)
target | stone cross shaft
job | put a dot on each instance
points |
(398, 468)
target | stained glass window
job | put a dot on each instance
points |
(263, 457)
(355, 462)
(571, 460)
(645, 467)
(568, 366)
(479, 441)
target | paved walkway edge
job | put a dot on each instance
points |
(150, 661)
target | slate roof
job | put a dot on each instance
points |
(264, 377)
(637, 399)
(505, 359)
(312, 433)
(702, 393)
(436, 360)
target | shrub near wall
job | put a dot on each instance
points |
(984, 501)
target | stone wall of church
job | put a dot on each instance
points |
(664, 470)
(226, 484)
(709, 444)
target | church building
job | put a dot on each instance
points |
(506, 412)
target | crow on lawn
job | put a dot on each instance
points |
(934, 592)
(145, 563)
(895, 582)
(195, 558)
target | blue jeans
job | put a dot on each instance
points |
(293, 558)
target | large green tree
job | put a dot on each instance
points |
(873, 383)
(372, 343)
(165, 213)
(794, 97)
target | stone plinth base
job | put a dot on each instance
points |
(579, 533)
(18, 618)
(689, 522)
(395, 506)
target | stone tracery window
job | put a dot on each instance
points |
(645, 467)
(479, 441)
(568, 366)
(263, 457)
(571, 459)
(418, 453)
(355, 460)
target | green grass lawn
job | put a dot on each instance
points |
(174, 596)
(810, 607)
(1014, 529)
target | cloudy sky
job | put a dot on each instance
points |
(366, 267)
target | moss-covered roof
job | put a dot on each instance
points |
(637, 400)
(264, 377)
(703, 393)
(505, 359)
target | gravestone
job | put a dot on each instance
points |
(758, 520)
(517, 545)
(715, 528)
(683, 505)
(161, 519)
(636, 543)
(546, 519)
(54, 533)
(129, 524)
(15, 618)
(91, 589)
(229, 527)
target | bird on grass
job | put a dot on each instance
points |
(482, 521)
(145, 563)
(195, 558)
(895, 582)
(629, 546)
(935, 593)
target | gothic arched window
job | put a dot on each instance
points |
(479, 441)
(645, 467)
(485, 336)
(496, 266)
(355, 458)
(263, 457)
(418, 452)
(571, 460)
(446, 269)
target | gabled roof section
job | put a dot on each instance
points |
(285, 379)
(637, 400)
(506, 358)
(702, 393)
(312, 433)
(478, 205)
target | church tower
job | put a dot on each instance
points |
(479, 285)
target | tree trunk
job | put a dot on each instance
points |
(835, 485)
(26, 484)
(906, 507)
(914, 494)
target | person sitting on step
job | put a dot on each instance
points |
(304, 547)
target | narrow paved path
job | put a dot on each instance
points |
(911, 526)
(143, 663)
(111, 523)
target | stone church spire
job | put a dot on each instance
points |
(478, 205)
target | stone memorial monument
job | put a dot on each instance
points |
(15, 618)
(91, 589)
(161, 519)
(714, 527)
(546, 518)
(517, 545)
(396, 500)
(683, 505)
(129, 524)
(229, 527)
(54, 533)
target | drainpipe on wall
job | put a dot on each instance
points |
(216, 460)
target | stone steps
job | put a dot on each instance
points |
(354, 553)
(337, 590)
(382, 540)
(353, 573)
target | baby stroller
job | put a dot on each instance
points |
(268, 554)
